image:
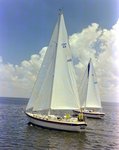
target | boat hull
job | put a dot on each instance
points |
(57, 125)
(96, 115)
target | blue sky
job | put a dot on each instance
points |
(26, 25)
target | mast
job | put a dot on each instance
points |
(60, 11)
(38, 96)
(59, 18)
(88, 81)
(64, 92)
(56, 83)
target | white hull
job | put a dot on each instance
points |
(66, 125)
(97, 115)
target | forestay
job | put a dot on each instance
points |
(44, 75)
(56, 87)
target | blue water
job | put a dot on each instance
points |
(16, 134)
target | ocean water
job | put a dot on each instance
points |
(16, 134)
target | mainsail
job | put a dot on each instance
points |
(56, 87)
(89, 90)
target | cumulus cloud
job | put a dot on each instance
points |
(100, 45)
(18, 81)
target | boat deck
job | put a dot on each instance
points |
(72, 120)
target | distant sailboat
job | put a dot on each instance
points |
(55, 88)
(90, 102)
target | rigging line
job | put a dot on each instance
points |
(59, 20)
(56, 53)
(52, 79)
(39, 70)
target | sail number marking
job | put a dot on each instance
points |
(64, 45)
(69, 60)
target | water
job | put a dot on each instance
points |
(16, 134)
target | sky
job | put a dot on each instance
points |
(26, 27)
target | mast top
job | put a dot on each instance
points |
(60, 11)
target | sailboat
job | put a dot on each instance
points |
(55, 88)
(90, 101)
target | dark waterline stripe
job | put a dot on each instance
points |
(61, 123)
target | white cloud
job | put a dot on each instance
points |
(101, 45)
(18, 81)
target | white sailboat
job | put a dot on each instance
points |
(90, 101)
(55, 87)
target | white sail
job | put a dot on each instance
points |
(65, 93)
(83, 89)
(90, 97)
(56, 87)
(42, 78)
